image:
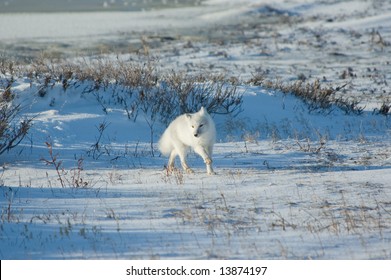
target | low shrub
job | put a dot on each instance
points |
(13, 127)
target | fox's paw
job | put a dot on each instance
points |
(189, 171)
(209, 170)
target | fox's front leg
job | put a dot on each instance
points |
(209, 168)
(207, 159)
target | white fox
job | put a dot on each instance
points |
(195, 131)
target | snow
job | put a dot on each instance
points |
(67, 25)
(291, 183)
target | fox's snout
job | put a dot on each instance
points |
(197, 132)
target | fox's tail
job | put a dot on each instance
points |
(165, 144)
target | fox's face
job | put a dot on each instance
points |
(198, 122)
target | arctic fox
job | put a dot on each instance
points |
(196, 131)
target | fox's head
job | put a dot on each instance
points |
(198, 122)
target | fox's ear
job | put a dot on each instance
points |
(188, 116)
(202, 110)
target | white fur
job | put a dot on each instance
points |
(196, 131)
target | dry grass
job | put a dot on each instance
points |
(138, 87)
(317, 97)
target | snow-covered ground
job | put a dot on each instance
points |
(291, 183)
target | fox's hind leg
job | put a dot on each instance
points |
(171, 161)
(187, 168)
(184, 164)
(182, 153)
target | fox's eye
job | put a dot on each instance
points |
(201, 125)
(192, 126)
